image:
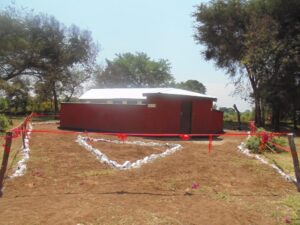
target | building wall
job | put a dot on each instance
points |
(206, 120)
(164, 118)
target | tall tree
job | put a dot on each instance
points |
(252, 39)
(42, 47)
(14, 46)
(17, 94)
(192, 85)
(135, 70)
(60, 49)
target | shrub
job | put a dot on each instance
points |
(253, 144)
(256, 145)
(4, 123)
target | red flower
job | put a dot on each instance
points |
(195, 186)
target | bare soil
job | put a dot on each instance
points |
(65, 184)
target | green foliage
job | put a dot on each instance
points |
(4, 123)
(41, 55)
(230, 115)
(255, 144)
(257, 40)
(17, 94)
(192, 85)
(135, 70)
(3, 104)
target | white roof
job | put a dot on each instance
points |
(136, 93)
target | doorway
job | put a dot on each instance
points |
(186, 117)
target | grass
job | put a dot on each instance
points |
(15, 121)
(293, 202)
(16, 143)
(297, 143)
(95, 173)
(282, 160)
(44, 118)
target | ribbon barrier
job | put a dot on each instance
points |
(210, 143)
(23, 129)
(20, 130)
(185, 137)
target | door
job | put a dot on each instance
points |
(186, 117)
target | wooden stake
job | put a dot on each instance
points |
(7, 146)
(295, 159)
(238, 114)
(23, 128)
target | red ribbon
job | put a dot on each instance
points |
(122, 137)
(210, 144)
(252, 127)
(185, 137)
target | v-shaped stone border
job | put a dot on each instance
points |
(170, 149)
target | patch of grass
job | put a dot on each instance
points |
(293, 202)
(171, 183)
(16, 120)
(221, 195)
(283, 160)
(44, 118)
(297, 143)
(14, 155)
(95, 173)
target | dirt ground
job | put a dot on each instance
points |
(65, 184)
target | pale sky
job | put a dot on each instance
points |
(160, 28)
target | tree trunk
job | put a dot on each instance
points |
(55, 101)
(258, 121)
(263, 120)
(275, 118)
(294, 117)
(254, 85)
(238, 117)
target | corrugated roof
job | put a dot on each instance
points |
(136, 93)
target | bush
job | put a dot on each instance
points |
(255, 143)
(4, 123)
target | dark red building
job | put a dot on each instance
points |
(143, 110)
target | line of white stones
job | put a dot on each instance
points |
(171, 148)
(25, 150)
(243, 149)
(45, 122)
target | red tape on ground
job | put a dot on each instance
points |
(280, 147)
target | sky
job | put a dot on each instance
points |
(163, 29)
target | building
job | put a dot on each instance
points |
(143, 110)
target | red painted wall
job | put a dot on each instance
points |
(202, 116)
(217, 121)
(164, 118)
(205, 119)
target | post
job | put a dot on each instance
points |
(295, 159)
(238, 117)
(23, 130)
(7, 146)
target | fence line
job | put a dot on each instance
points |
(22, 129)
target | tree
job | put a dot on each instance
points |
(14, 46)
(256, 40)
(17, 94)
(61, 51)
(40, 46)
(135, 70)
(192, 85)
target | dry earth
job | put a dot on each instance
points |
(65, 184)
